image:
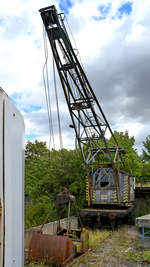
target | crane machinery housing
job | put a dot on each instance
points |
(109, 191)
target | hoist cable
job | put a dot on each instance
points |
(47, 103)
(57, 105)
(47, 91)
(74, 42)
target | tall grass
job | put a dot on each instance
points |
(97, 236)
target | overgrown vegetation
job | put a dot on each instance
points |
(48, 172)
(119, 248)
(97, 236)
(141, 210)
(111, 248)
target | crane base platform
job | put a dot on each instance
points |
(102, 217)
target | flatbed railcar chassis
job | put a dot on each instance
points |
(109, 216)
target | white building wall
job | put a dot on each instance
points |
(1, 179)
(13, 180)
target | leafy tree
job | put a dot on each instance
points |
(146, 150)
(146, 158)
(46, 174)
(131, 161)
(146, 169)
(36, 167)
(36, 162)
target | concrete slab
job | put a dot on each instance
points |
(143, 221)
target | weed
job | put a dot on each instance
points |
(146, 255)
(95, 237)
(133, 255)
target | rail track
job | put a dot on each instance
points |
(121, 248)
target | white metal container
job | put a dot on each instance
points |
(11, 184)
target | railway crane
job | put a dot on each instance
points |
(109, 191)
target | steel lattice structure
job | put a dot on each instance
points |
(88, 119)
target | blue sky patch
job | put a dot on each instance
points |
(125, 9)
(31, 136)
(65, 5)
(31, 108)
(97, 18)
(38, 43)
(1, 21)
(15, 26)
(115, 127)
(15, 97)
(104, 10)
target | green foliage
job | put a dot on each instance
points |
(97, 236)
(145, 169)
(131, 161)
(146, 158)
(36, 212)
(46, 174)
(142, 210)
(146, 150)
(36, 163)
(146, 255)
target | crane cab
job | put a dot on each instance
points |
(105, 189)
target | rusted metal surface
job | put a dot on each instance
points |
(61, 247)
(112, 216)
(105, 211)
(51, 249)
(94, 218)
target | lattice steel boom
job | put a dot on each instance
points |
(88, 119)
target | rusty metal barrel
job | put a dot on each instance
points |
(52, 249)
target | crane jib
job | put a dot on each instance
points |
(81, 100)
(88, 119)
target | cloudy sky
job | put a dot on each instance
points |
(113, 38)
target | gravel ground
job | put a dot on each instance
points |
(120, 248)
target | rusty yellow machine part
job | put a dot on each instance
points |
(82, 245)
(52, 249)
(64, 245)
(57, 249)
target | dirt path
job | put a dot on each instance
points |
(120, 249)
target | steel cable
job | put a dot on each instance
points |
(47, 92)
(57, 105)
